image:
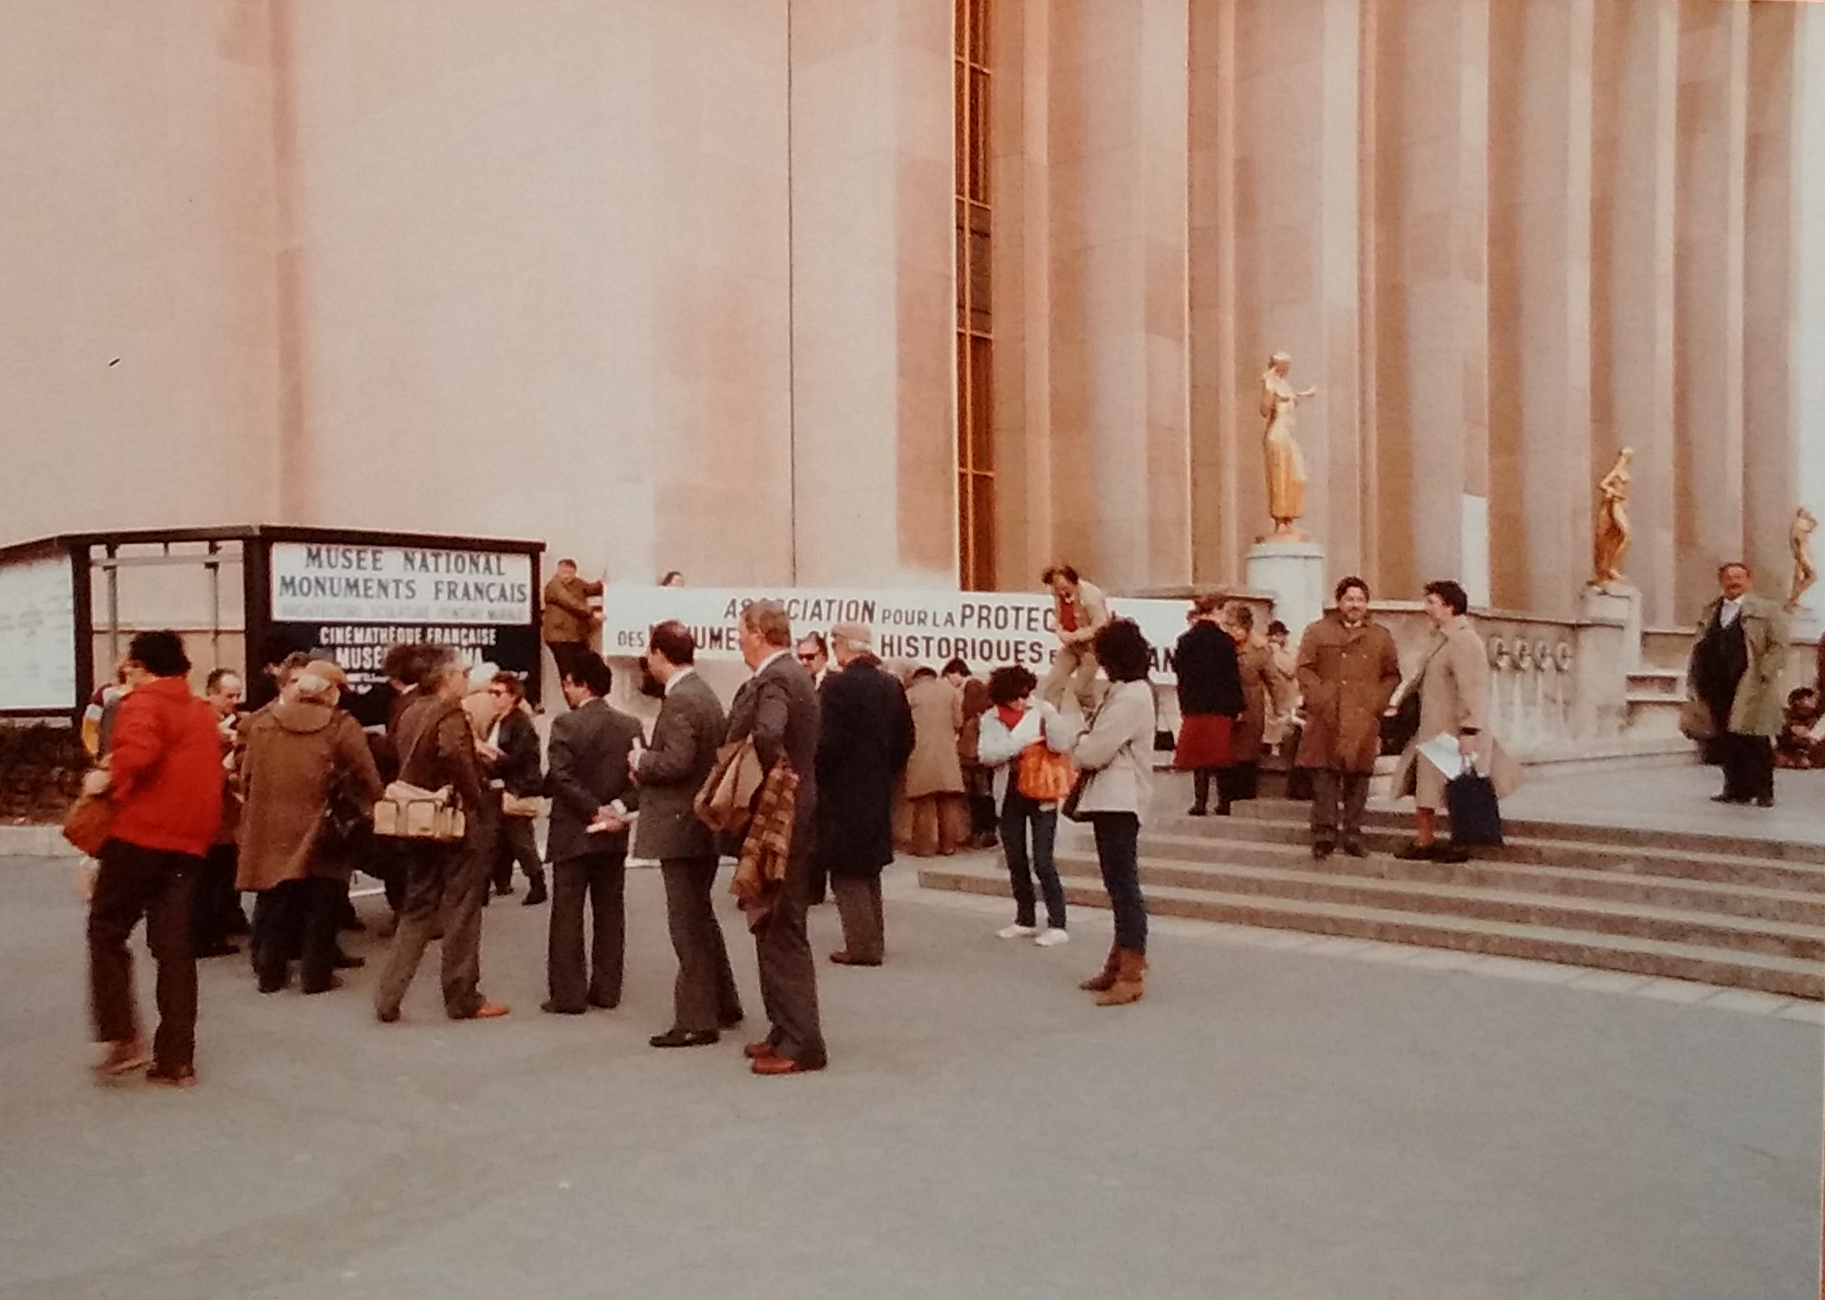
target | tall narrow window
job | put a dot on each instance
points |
(975, 386)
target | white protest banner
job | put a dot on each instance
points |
(984, 629)
(326, 582)
(37, 636)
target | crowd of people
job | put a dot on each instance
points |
(835, 760)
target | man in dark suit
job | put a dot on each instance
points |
(865, 738)
(778, 708)
(592, 805)
(670, 773)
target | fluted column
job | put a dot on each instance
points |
(1713, 122)
(1433, 314)
(1540, 302)
(1120, 415)
(1806, 345)
(1635, 146)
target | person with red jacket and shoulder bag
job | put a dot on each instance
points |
(164, 778)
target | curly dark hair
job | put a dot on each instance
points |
(160, 653)
(1011, 683)
(1451, 594)
(1123, 651)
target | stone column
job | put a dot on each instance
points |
(873, 292)
(1713, 112)
(1020, 117)
(1540, 302)
(1120, 415)
(1221, 446)
(1806, 344)
(1635, 149)
(1432, 130)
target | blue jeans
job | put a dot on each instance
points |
(1118, 852)
(1017, 813)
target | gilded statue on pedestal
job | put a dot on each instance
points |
(1613, 529)
(1804, 574)
(1285, 462)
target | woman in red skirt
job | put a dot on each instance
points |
(1210, 700)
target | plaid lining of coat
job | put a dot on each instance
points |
(761, 870)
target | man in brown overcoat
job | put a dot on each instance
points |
(1348, 671)
(567, 619)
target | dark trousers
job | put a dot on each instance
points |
(1337, 803)
(704, 995)
(601, 880)
(1019, 814)
(156, 884)
(299, 916)
(215, 912)
(788, 975)
(447, 881)
(515, 843)
(1118, 853)
(858, 906)
(1748, 763)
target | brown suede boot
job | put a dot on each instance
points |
(1130, 977)
(1106, 981)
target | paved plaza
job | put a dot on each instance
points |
(1278, 1119)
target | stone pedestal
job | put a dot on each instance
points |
(1294, 573)
(1617, 603)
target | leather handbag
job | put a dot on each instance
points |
(726, 800)
(407, 812)
(1044, 775)
(1696, 721)
(89, 822)
(1070, 808)
(1476, 815)
(344, 823)
(521, 805)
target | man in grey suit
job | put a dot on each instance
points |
(670, 773)
(778, 708)
(592, 804)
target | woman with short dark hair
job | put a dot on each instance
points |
(1011, 727)
(1210, 701)
(509, 754)
(1117, 752)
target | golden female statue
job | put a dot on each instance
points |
(1613, 530)
(1804, 574)
(1285, 462)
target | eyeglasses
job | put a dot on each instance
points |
(808, 659)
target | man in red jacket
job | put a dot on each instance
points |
(164, 775)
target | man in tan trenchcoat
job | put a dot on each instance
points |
(1453, 691)
(1734, 684)
(1348, 671)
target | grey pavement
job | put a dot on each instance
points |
(1270, 1123)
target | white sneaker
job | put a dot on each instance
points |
(1052, 938)
(1017, 931)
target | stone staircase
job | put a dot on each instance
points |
(1710, 908)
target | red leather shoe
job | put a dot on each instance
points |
(775, 1064)
(489, 1011)
(760, 1050)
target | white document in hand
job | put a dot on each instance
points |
(1442, 752)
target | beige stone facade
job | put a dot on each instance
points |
(673, 284)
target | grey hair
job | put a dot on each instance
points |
(857, 636)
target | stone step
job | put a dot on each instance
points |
(1763, 972)
(1288, 810)
(1596, 916)
(1644, 860)
(1610, 882)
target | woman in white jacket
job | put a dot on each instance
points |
(1011, 726)
(1117, 750)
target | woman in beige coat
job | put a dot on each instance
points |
(1453, 700)
(937, 813)
(295, 750)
